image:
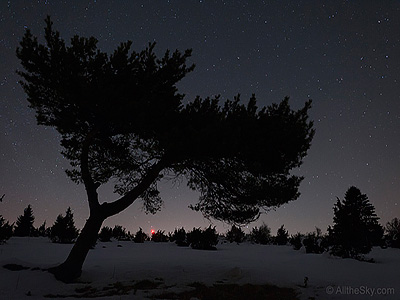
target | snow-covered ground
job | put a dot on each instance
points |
(174, 267)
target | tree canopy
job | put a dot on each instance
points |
(121, 118)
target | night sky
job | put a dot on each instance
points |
(345, 55)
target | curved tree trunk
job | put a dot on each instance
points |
(71, 268)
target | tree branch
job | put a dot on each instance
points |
(90, 185)
(113, 208)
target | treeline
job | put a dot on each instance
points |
(354, 232)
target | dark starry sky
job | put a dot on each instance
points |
(345, 55)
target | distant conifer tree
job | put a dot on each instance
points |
(356, 228)
(393, 233)
(235, 234)
(261, 235)
(24, 224)
(105, 234)
(63, 230)
(42, 230)
(5, 230)
(140, 236)
(179, 237)
(282, 236)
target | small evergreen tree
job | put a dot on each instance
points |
(5, 230)
(282, 236)
(159, 237)
(24, 224)
(393, 233)
(356, 228)
(140, 236)
(314, 242)
(203, 239)
(261, 235)
(63, 230)
(42, 230)
(120, 233)
(105, 234)
(179, 237)
(296, 241)
(235, 234)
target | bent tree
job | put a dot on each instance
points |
(121, 118)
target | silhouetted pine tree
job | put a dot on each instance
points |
(5, 230)
(235, 234)
(393, 233)
(282, 236)
(159, 237)
(356, 228)
(24, 224)
(261, 235)
(63, 230)
(140, 236)
(105, 234)
(203, 239)
(179, 237)
(120, 233)
(314, 242)
(42, 230)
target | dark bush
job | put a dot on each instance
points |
(179, 237)
(159, 237)
(282, 236)
(392, 236)
(203, 239)
(105, 235)
(314, 242)
(6, 230)
(63, 230)
(120, 233)
(140, 236)
(296, 241)
(235, 234)
(261, 235)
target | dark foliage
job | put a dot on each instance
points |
(296, 241)
(282, 236)
(140, 236)
(261, 235)
(6, 230)
(24, 224)
(356, 228)
(235, 234)
(159, 237)
(179, 237)
(105, 235)
(314, 242)
(121, 118)
(43, 231)
(393, 233)
(120, 233)
(203, 239)
(63, 230)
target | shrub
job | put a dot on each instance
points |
(393, 233)
(203, 239)
(140, 236)
(282, 236)
(105, 235)
(63, 230)
(179, 237)
(296, 241)
(159, 237)
(120, 233)
(6, 230)
(261, 235)
(314, 242)
(235, 234)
